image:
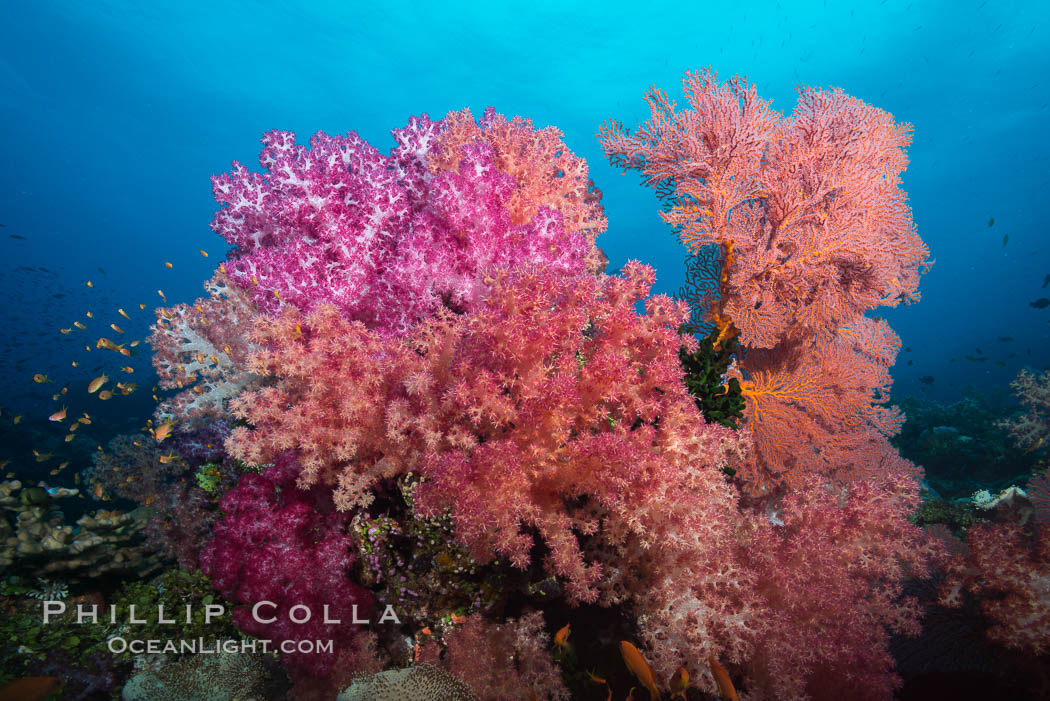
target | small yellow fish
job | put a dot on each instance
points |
(65, 331)
(97, 382)
(40, 379)
(149, 499)
(135, 343)
(64, 390)
(84, 420)
(123, 314)
(16, 420)
(79, 325)
(255, 280)
(226, 350)
(167, 264)
(43, 457)
(58, 415)
(71, 436)
(124, 351)
(63, 466)
(161, 293)
(55, 396)
(97, 491)
(222, 267)
(105, 394)
(90, 315)
(169, 458)
(142, 306)
(89, 283)
(204, 253)
(128, 369)
(116, 328)
(76, 364)
(74, 426)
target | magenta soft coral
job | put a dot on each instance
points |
(288, 546)
(388, 241)
(555, 391)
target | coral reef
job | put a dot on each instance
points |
(211, 677)
(39, 544)
(422, 682)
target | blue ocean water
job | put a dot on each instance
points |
(115, 115)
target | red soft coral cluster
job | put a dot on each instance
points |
(1008, 567)
(798, 595)
(289, 547)
(555, 391)
(500, 660)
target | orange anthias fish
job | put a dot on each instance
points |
(725, 684)
(679, 683)
(58, 415)
(96, 383)
(41, 379)
(30, 688)
(105, 394)
(640, 668)
(123, 314)
(162, 432)
(561, 638)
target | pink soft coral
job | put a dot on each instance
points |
(555, 391)
(501, 661)
(1009, 568)
(798, 595)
